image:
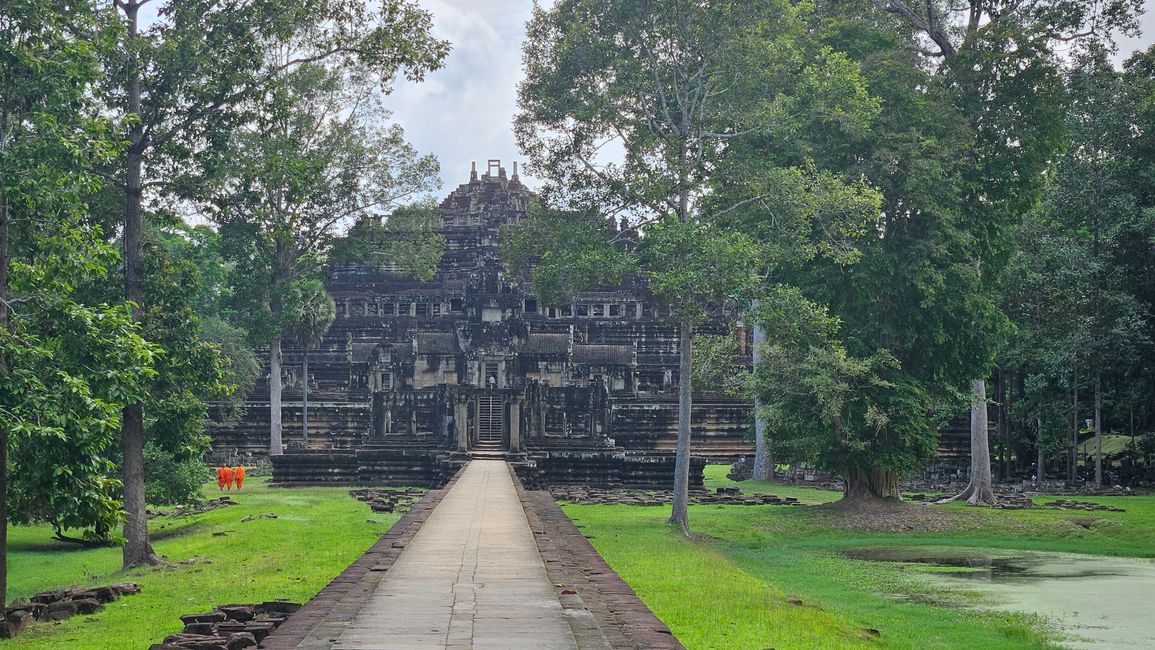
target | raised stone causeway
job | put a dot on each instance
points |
(479, 564)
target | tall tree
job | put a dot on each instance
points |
(1001, 64)
(183, 77)
(315, 159)
(65, 366)
(670, 84)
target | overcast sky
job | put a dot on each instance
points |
(463, 112)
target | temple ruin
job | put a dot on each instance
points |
(415, 376)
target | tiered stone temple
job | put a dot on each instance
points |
(415, 374)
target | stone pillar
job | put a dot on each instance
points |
(461, 424)
(515, 426)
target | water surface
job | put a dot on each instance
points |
(1099, 602)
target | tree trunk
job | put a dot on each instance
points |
(4, 262)
(1098, 432)
(305, 397)
(1041, 463)
(1072, 455)
(679, 515)
(1004, 427)
(137, 549)
(979, 490)
(871, 483)
(275, 446)
(763, 463)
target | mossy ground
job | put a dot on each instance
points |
(773, 576)
(316, 534)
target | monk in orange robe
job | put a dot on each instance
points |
(240, 476)
(228, 478)
(221, 478)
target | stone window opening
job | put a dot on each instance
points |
(583, 310)
(422, 309)
(456, 304)
(531, 306)
(615, 310)
(436, 309)
(632, 310)
(567, 310)
(599, 311)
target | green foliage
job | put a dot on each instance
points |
(172, 478)
(192, 370)
(717, 368)
(315, 311)
(62, 397)
(564, 252)
(824, 404)
(67, 364)
(284, 190)
(405, 241)
(697, 268)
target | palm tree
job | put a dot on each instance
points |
(315, 314)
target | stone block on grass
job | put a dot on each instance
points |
(207, 617)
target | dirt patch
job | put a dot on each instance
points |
(890, 516)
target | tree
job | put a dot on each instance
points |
(1088, 218)
(182, 80)
(672, 85)
(64, 366)
(315, 313)
(1001, 66)
(314, 160)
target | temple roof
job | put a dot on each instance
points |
(604, 355)
(442, 343)
(547, 343)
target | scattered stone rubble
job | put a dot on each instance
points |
(195, 509)
(229, 627)
(387, 500)
(60, 604)
(1068, 504)
(730, 496)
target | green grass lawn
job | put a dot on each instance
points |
(316, 534)
(739, 586)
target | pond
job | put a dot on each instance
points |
(1098, 602)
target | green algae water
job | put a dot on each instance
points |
(1095, 602)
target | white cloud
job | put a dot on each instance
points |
(464, 112)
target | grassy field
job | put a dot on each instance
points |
(772, 576)
(317, 532)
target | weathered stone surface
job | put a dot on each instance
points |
(88, 605)
(238, 612)
(197, 642)
(241, 640)
(207, 617)
(279, 607)
(470, 361)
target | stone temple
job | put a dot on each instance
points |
(415, 375)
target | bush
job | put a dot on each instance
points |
(170, 479)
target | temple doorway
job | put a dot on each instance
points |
(491, 421)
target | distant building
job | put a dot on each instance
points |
(472, 362)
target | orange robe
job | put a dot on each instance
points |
(240, 475)
(228, 478)
(221, 478)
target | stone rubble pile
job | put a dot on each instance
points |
(1068, 504)
(195, 509)
(387, 500)
(229, 627)
(730, 496)
(60, 604)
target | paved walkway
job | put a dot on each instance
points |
(472, 577)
